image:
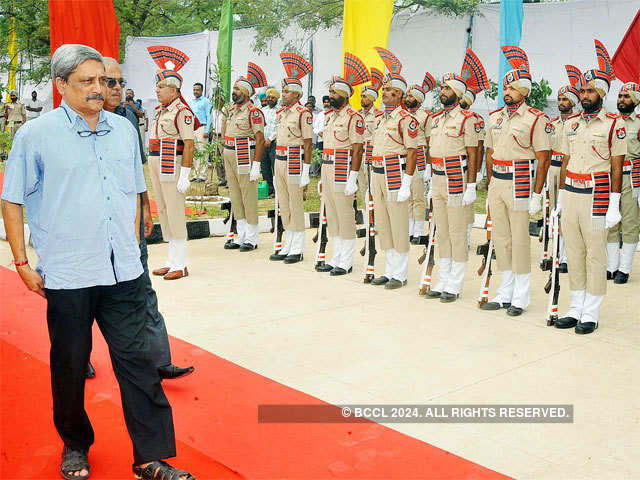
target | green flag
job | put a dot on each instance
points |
(225, 36)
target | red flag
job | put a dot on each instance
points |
(88, 22)
(626, 61)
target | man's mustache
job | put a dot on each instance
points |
(95, 96)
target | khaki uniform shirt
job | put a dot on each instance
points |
(395, 133)
(164, 126)
(452, 132)
(343, 128)
(587, 143)
(633, 137)
(511, 137)
(424, 125)
(370, 120)
(295, 124)
(16, 111)
(556, 130)
(243, 121)
(479, 127)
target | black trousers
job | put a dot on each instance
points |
(266, 165)
(120, 312)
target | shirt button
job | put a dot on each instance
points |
(108, 198)
(104, 178)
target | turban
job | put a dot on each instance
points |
(571, 93)
(255, 79)
(354, 73)
(272, 92)
(296, 68)
(170, 60)
(377, 79)
(633, 89)
(520, 77)
(474, 76)
(456, 83)
(394, 65)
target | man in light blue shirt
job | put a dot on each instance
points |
(201, 107)
(77, 170)
(270, 131)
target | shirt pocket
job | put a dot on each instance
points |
(521, 134)
(340, 132)
(122, 165)
(600, 143)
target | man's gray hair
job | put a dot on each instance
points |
(67, 57)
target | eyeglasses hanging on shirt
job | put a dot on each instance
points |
(97, 133)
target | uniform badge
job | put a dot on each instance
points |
(359, 127)
(187, 119)
(309, 120)
(498, 123)
(256, 118)
(621, 133)
(435, 122)
(549, 128)
(573, 128)
(413, 128)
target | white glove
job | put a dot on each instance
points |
(613, 216)
(352, 186)
(478, 177)
(304, 178)
(183, 180)
(469, 194)
(405, 189)
(535, 203)
(254, 174)
(426, 175)
(558, 209)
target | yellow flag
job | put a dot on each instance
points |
(13, 56)
(365, 25)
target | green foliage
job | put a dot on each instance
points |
(537, 98)
(5, 142)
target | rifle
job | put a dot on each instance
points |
(321, 233)
(369, 248)
(552, 288)
(231, 223)
(429, 254)
(545, 261)
(486, 250)
(276, 226)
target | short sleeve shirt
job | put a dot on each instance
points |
(244, 121)
(295, 124)
(517, 136)
(452, 132)
(173, 121)
(395, 133)
(343, 128)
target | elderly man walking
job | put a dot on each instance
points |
(83, 215)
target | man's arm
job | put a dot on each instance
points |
(146, 214)
(616, 173)
(259, 136)
(307, 150)
(138, 113)
(489, 160)
(471, 164)
(543, 157)
(187, 154)
(14, 226)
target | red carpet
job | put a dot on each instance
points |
(215, 412)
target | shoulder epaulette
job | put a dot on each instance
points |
(555, 119)
(574, 115)
(467, 113)
(280, 109)
(158, 107)
(429, 112)
(536, 112)
(405, 113)
(436, 114)
(612, 115)
(352, 111)
(301, 109)
(496, 110)
(379, 113)
(253, 108)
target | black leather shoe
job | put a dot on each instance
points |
(494, 306)
(514, 311)
(620, 278)
(276, 257)
(231, 246)
(562, 268)
(415, 240)
(171, 372)
(339, 271)
(447, 297)
(89, 372)
(247, 247)
(325, 267)
(566, 322)
(393, 284)
(293, 258)
(381, 280)
(433, 294)
(611, 276)
(586, 327)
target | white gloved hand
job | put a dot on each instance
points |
(426, 175)
(254, 174)
(352, 186)
(478, 177)
(304, 178)
(469, 194)
(535, 203)
(405, 189)
(558, 209)
(613, 216)
(183, 180)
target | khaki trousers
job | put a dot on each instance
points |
(630, 223)
(392, 218)
(170, 203)
(451, 222)
(289, 199)
(417, 202)
(243, 193)
(586, 248)
(341, 220)
(510, 228)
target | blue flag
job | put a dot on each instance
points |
(511, 15)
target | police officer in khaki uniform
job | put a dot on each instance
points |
(619, 265)
(395, 142)
(516, 136)
(413, 101)
(341, 159)
(170, 160)
(594, 146)
(370, 115)
(15, 113)
(243, 132)
(293, 157)
(453, 147)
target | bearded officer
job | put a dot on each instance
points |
(243, 132)
(341, 159)
(619, 264)
(516, 136)
(454, 143)
(293, 157)
(170, 159)
(395, 142)
(594, 146)
(370, 116)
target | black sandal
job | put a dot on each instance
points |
(160, 470)
(74, 461)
